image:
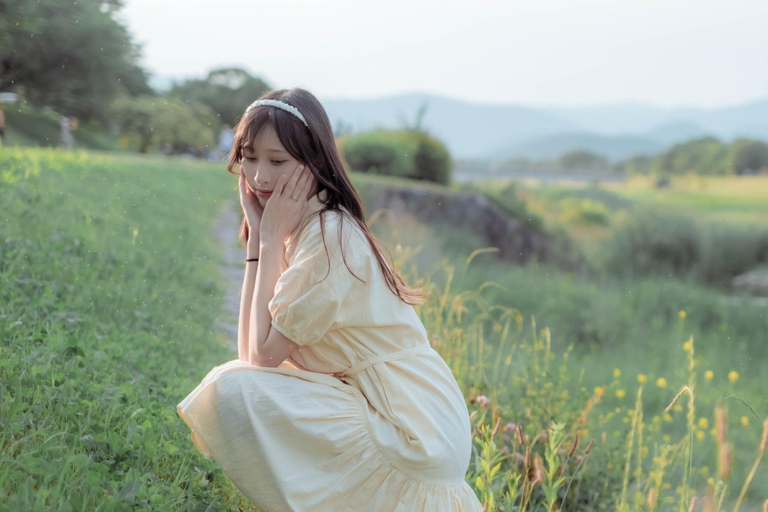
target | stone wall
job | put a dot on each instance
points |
(470, 211)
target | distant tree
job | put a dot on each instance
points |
(705, 155)
(639, 164)
(749, 156)
(73, 57)
(167, 124)
(581, 159)
(228, 91)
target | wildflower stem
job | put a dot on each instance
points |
(748, 480)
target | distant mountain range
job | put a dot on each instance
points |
(497, 132)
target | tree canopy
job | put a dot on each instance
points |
(73, 57)
(226, 90)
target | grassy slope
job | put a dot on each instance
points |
(107, 298)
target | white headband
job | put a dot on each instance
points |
(279, 104)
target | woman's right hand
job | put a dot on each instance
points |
(251, 207)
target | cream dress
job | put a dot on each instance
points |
(378, 424)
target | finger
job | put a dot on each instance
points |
(290, 187)
(280, 185)
(302, 179)
(306, 183)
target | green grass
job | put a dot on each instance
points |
(108, 296)
(107, 300)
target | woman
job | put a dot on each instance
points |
(337, 401)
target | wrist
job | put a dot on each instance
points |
(252, 248)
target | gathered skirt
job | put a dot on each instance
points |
(293, 440)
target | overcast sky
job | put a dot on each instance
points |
(704, 53)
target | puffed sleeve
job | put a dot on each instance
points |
(308, 297)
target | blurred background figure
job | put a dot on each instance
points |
(67, 140)
(226, 137)
(2, 127)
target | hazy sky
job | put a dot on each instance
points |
(705, 53)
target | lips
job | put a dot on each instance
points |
(263, 193)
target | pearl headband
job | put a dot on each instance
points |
(279, 104)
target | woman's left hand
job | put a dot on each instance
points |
(282, 213)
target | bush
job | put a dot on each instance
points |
(432, 160)
(654, 242)
(586, 211)
(671, 244)
(410, 154)
(732, 250)
(380, 152)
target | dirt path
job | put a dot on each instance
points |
(225, 228)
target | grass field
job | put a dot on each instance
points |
(109, 290)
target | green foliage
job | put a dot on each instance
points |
(609, 199)
(169, 124)
(73, 57)
(380, 152)
(227, 91)
(509, 198)
(732, 250)
(581, 159)
(432, 160)
(651, 242)
(706, 156)
(669, 243)
(410, 154)
(749, 156)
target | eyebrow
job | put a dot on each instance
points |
(249, 148)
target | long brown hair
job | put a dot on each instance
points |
(316, 147)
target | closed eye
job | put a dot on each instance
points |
(276, 162)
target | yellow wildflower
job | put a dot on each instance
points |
(733, 376)
(703, 422)
(687, 346)
(700, 435)
(620, 393)
(744, 420)
(616, 373)
(682, 314)
(709, 374)
(642, 379)
(661, 382)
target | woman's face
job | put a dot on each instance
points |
(265, 163)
